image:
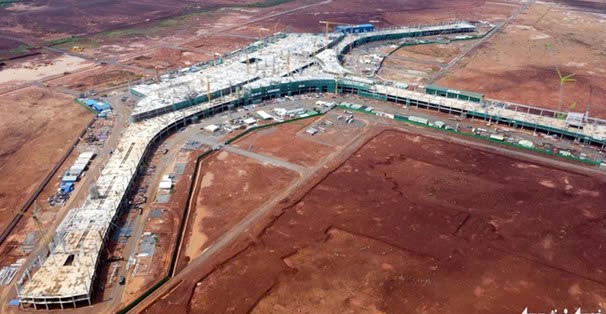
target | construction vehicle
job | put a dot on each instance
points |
(77, 49)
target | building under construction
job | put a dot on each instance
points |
(276, 66)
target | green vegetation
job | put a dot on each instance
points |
(21, 49)
(267, 3)
(54, 42)
(7, 3)
(79, 102)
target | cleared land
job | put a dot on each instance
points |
(423, 226)
(36, 126)
(520, 63)
(286, 142)
(230, 187)
(41, 67)
(167, 58)
(99, 78)
(414, 64)
(67, 17)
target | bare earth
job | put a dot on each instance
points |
(230, 187)
(423, 226)
(36, 126)
(282, 143)
(520, 64)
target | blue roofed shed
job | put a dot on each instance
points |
(99, 106)
(362, 28)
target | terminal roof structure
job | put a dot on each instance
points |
(67, 274)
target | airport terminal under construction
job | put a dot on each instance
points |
(283, 64)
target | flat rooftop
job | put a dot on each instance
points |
(273, 57)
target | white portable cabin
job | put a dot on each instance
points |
(264, 115)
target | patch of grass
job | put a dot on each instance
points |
(21, 49)
(267, 3)
(8, 3)
(60, 41)
(83, 105)
(125, 32)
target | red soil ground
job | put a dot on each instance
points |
(99, 78)
(381, 13)
(36, 126)
(283, 143)
(230, 187)
(69, 17)
(217, 44)
(520, 63)
(168, 58)
(415, 225)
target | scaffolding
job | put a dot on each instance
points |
(66, 276)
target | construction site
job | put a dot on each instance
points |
(296, 171)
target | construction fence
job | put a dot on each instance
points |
(481, 137)
(348, 86)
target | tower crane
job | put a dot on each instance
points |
(328, 23)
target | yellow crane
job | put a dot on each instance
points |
(208, 93)
(328, 23)
(563, 80)
(337, 84)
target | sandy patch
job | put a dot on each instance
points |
(32, 72)
(207, 180)
(198, 237)
(222, 155)
(547, 183)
